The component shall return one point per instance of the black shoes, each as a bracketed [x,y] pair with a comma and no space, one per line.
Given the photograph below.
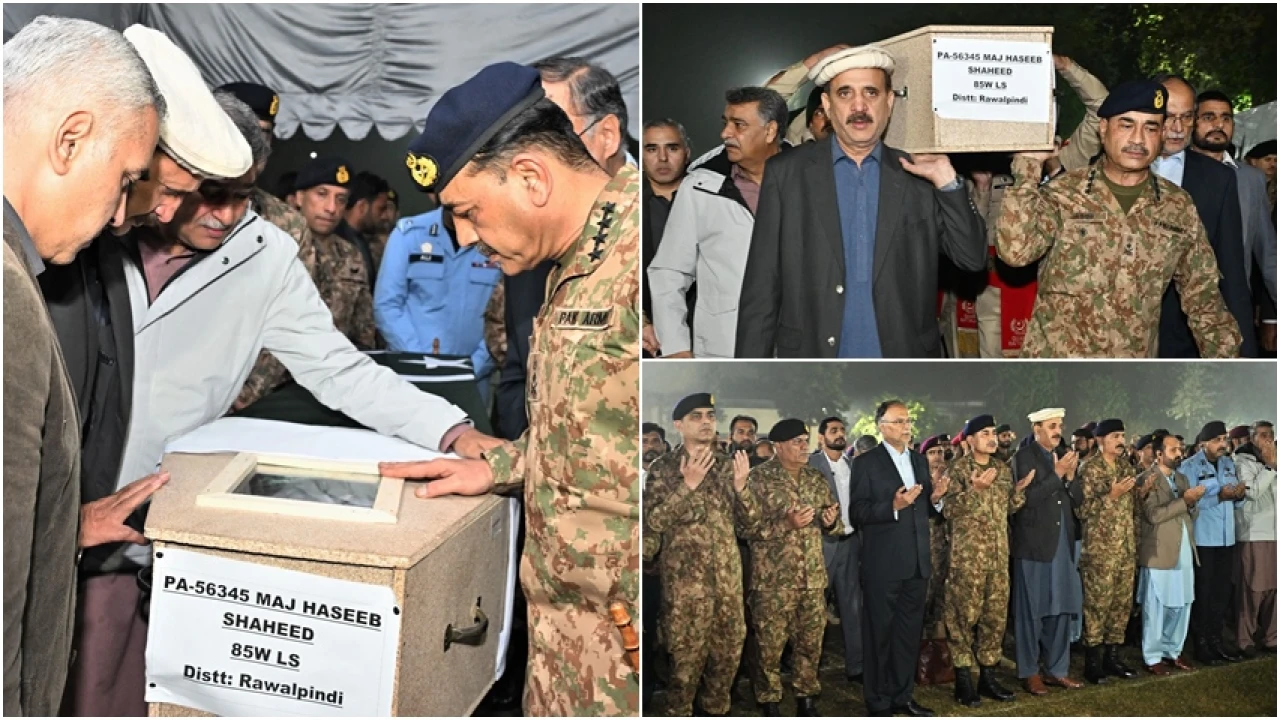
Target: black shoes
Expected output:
[965,694]
[988,686]
[912,709]
[1093,671]
[806,707]
[769,709]
[1205,655]
[854,679]
[1112,665]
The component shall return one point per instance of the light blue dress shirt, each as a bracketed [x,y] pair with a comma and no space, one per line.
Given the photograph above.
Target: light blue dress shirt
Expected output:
[1171,168]
[1216,523]
[902,461]
[429,290]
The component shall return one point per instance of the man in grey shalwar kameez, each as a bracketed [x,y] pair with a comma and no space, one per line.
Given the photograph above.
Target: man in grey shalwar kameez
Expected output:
[1047,593]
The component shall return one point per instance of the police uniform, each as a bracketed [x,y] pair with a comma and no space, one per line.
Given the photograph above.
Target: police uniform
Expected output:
[1105,271]
[579,459]
[341,274]
[431,294]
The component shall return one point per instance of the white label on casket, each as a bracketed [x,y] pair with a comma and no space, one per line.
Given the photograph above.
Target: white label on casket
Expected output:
[236,638]
[994,80]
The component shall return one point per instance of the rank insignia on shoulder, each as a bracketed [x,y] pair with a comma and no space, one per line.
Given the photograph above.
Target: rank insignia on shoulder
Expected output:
[435,230]
[582,319]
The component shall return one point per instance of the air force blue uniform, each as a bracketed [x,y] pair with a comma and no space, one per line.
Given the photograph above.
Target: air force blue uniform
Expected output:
[429,289]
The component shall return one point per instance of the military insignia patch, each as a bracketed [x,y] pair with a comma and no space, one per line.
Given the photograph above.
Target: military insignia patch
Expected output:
[342,175]
[583,319]
[423,169]
[275,106]
[1159,101]
[426,248]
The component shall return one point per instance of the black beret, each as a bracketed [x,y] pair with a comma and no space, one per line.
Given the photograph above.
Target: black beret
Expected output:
[392,196]
[1106,427]
[1081,433]
[1261,150]
[691,403]
[788,429]
[1211,430]
[323,171]
[978,424]
[263,100]
[1144,96]
[1002,429]
[1143,441]
[653,428]
[466,117]
[1239,432]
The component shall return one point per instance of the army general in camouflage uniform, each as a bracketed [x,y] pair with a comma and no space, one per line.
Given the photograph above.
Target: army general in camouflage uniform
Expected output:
[698,497]
[980,497]
[788,575]
[520,184]
[1113,236]
[1108,555]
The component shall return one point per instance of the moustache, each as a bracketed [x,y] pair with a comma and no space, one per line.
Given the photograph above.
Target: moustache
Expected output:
[732,144]
[1135,149]
[651,455]
[212,223]
[858,117]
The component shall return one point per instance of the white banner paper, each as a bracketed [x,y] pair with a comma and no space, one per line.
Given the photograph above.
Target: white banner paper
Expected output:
[240,639]
[992,80]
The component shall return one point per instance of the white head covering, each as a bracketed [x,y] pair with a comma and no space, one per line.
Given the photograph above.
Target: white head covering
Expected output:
[195,129]
[867,56]
[1047,414]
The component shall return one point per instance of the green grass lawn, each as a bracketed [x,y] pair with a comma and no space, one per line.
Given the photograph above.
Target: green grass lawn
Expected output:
[1243,689]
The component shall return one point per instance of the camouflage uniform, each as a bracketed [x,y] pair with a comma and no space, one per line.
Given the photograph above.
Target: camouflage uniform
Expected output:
[977,591]
[343,282]
[940,559]
[579,463]
[788,575]
[701,577]
[1108,553]
[1105,272]
[269,373]
[495,325]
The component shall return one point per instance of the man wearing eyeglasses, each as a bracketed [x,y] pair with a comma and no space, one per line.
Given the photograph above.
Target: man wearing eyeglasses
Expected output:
[1217,202]
[592,99]
[889,508]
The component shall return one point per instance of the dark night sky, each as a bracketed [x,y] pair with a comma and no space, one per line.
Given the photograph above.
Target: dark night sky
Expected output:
[1235,392]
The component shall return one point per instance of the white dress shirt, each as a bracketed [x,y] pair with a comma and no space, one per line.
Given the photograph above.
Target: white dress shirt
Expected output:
[840,470]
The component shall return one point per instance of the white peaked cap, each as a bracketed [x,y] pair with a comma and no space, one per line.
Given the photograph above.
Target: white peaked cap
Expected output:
[196,130]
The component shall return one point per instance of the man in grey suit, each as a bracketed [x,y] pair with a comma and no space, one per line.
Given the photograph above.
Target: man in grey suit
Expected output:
[840,552]
[844,251]
[73,145]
